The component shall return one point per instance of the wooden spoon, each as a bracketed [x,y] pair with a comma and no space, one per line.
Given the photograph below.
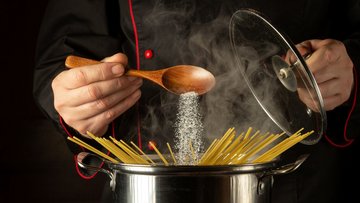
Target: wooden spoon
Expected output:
[176,79]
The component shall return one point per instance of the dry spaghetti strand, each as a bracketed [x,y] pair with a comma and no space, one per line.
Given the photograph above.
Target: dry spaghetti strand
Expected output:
[159,154]
[228,150]
[171,152]
[92,149]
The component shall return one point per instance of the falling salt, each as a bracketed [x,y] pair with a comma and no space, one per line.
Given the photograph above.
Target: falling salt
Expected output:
[188,130]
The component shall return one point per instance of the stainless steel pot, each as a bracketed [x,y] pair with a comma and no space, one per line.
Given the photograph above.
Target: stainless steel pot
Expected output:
[248,183]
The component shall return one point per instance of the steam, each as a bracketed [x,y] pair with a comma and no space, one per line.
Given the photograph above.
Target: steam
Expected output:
[206,42]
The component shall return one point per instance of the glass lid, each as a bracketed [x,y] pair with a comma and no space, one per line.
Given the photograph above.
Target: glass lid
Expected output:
[277,75]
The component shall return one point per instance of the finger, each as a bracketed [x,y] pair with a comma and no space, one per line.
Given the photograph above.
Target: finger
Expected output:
[118,109]
[304,48]
[317,63]
[316,44]
[329,88]
[330,93]
[332,102]
[98,132]
[324,74]
[309,99]
[99,90]
[82,76]
[100,105]
[118,58]
[95,123]
[334,93]
[326,53]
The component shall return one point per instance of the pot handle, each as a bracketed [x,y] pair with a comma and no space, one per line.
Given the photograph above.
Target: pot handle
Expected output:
[288,168]
[80,161]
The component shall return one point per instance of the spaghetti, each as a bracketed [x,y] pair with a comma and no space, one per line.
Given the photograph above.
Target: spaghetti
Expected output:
[230,149]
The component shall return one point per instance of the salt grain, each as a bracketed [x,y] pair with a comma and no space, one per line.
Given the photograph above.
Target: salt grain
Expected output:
[188,130]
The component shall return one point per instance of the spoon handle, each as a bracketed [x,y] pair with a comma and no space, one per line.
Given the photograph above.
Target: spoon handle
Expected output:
[77,61]
[154,76]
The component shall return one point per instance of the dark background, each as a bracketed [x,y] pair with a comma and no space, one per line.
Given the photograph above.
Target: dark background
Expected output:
[36,165]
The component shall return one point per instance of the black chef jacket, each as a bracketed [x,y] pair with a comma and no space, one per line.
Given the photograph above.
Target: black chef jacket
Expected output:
[186,31]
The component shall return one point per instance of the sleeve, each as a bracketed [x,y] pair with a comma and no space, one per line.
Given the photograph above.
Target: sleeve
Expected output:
[351,32]
[345,119]
[85,28]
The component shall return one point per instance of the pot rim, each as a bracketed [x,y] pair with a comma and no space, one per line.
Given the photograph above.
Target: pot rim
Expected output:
[192,169]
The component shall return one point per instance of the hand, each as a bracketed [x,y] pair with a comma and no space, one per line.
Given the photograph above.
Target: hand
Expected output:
[332,69]
[89,98]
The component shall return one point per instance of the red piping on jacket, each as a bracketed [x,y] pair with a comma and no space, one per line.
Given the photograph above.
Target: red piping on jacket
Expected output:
[137,67]
[75,156]
[64,127]
[348,141]
[137,106]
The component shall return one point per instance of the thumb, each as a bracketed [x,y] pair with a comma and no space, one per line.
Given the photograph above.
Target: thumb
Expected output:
[117,58]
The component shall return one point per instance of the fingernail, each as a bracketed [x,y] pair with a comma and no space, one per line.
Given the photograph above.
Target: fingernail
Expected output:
[117,70]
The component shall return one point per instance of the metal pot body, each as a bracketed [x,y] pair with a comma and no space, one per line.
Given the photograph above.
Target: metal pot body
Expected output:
[241,184]
[247,183]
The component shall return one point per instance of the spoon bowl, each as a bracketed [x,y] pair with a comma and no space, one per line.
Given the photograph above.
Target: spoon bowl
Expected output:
[176,79]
